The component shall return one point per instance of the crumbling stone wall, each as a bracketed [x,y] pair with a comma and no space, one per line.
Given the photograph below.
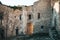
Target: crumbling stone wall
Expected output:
[11,18]
[44,8]
[55,14]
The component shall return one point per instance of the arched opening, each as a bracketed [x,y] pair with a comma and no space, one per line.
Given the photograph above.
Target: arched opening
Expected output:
[29,29]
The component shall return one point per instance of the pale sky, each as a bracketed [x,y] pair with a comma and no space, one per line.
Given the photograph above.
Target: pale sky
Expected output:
[18,2]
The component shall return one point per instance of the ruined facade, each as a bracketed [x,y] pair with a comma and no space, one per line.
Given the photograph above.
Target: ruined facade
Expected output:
[55,14]
[38,18]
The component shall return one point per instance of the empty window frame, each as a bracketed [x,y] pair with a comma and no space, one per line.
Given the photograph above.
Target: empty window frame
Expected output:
[42,27]
[29,16]
[1,15]
[20,17]
[38,15]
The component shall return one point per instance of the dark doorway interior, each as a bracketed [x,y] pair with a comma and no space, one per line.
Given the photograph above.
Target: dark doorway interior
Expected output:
[2,33]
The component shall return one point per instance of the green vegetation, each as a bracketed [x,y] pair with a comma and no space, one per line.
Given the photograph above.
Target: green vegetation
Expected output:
[16,7]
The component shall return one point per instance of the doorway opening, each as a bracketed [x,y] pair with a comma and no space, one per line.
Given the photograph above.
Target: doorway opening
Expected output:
[2,33]
[29,29]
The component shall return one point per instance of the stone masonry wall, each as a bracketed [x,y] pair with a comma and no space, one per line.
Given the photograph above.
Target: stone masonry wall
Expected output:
[44,8]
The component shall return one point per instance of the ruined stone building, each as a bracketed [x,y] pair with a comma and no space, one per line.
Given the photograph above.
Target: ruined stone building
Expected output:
[37,18]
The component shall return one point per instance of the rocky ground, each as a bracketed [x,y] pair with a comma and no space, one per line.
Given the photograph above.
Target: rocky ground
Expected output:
[31,37]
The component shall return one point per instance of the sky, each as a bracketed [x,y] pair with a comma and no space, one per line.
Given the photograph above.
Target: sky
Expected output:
[18,2]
